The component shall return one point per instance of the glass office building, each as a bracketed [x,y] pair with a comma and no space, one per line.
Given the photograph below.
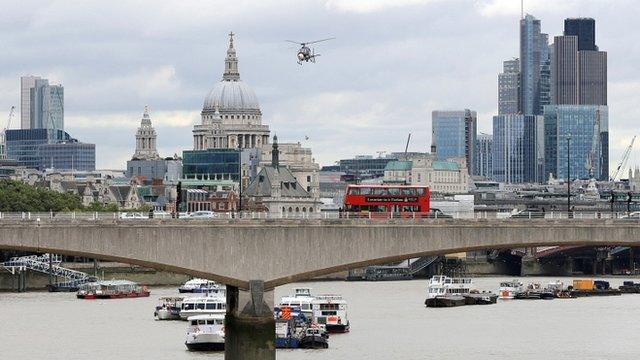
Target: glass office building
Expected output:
[514,148]
[46,105]
[211,164]
[484,156]
[364,166]
[68,155]
[587,128]
[453,133]
[22,145]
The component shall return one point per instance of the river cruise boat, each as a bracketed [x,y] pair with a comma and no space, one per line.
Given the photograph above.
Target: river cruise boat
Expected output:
[168,308]
[205,333]
[202,305]
[509,289]
[200,286]
[444,291]
[301,299]
[112,289]
[330,311]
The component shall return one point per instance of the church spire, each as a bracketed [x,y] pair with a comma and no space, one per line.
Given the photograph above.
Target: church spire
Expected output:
[231,62]
[275,153]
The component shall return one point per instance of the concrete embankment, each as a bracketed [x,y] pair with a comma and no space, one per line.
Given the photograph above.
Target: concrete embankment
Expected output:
[39,281]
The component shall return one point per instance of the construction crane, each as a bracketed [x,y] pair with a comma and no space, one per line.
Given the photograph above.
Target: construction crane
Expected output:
[406,148]
[623,161]
[3,147]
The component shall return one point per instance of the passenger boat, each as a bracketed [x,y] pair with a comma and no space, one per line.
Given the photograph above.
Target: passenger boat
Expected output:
[444,291]
[199,286]
[509,289]
[205,333]
[168,308]
[112,289]
[300,299]
[202,305]
[331,311]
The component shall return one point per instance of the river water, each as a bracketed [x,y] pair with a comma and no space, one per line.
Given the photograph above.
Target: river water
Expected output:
[388,321]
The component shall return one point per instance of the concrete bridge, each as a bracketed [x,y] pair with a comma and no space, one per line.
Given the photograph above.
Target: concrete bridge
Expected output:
[252,257]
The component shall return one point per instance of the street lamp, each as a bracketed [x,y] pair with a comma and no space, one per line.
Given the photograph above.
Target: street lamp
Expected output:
[568,177]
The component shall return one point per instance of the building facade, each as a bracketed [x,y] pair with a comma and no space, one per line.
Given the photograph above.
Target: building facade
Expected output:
[584,29]
[212,164]
[26,84]
[364,166]
[67,155]
[509,87]
[453,134]
[447,177]
[299,160]
[484,156]
[582,128]
[514,148]
[531,58]
[23,145]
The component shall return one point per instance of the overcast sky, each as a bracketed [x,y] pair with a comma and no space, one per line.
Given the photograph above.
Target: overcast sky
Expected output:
[393,62]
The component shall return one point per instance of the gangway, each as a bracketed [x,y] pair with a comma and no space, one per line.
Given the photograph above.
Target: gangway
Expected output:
[416,265]
[47,264]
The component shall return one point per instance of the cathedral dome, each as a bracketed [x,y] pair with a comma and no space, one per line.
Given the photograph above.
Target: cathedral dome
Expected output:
[231,95]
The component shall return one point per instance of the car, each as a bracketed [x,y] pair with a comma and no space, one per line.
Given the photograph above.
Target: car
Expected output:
[203,214]
[529,213]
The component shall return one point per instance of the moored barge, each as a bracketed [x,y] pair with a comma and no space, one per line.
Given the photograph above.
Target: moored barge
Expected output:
[112,289]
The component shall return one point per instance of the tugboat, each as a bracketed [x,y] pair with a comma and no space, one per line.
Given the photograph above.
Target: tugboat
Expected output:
[629,287]
[112,289]
[444,291]
[331,311]
[509,289]
[314,338]
[168,308]
[205,333]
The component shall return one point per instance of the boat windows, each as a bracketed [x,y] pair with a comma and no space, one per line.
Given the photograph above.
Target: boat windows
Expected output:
[200,306]
[394,191]
[211,306]
[329,313]
[328,306]
[194,322]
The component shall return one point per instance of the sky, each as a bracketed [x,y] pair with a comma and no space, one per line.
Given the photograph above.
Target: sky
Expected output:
[392,63]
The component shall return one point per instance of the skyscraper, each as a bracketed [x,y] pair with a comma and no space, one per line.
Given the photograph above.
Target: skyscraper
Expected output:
[453,133]
[42,104]
[508,87]
[26,84]
[514,148]
[530,61]
[564,70]
[584,29]
[586,127]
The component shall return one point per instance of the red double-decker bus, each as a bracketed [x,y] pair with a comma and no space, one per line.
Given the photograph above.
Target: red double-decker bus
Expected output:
[387,198]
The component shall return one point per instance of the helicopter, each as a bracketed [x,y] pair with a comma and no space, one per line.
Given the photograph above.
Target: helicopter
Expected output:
[305,54]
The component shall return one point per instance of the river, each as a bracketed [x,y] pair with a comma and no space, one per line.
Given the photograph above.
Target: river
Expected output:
[388,321]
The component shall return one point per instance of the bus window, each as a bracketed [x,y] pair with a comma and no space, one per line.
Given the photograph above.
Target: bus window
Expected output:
[408,191]
[407,208]
[394,191]
[420,191]
[379,191]
[365,191]
[354,191]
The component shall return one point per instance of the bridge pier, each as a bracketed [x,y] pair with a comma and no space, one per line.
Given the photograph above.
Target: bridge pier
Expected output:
[249,323]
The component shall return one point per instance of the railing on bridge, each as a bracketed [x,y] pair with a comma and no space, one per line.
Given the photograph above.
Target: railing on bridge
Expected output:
[128,216]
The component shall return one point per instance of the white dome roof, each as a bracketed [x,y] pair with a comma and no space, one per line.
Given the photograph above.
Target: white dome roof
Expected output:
[230,96]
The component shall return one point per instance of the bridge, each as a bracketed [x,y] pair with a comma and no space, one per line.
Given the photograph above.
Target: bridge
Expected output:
[254,256]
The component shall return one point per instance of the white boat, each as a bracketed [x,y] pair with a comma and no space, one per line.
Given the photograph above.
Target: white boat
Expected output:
[300,299]
[203,305]
[200,286]
[205,333]
[330,311]
[443,291]
[509,289]
[168,308]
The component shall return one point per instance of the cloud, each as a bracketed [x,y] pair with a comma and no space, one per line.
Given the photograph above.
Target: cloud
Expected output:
[491,8]
[369,6]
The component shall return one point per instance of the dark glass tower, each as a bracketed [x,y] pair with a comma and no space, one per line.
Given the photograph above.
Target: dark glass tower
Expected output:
[584,29]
